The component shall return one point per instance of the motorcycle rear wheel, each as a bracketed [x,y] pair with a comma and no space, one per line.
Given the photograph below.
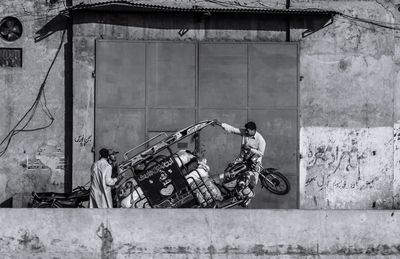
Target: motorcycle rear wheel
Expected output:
[274,181]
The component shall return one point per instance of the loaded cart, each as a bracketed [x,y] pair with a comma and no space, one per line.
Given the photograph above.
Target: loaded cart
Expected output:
[158,177]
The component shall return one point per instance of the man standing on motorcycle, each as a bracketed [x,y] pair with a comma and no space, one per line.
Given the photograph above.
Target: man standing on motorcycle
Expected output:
[101,182]
[253,145]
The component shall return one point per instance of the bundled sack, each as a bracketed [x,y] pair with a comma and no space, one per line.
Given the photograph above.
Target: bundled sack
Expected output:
[205,190]
[132,195]
[200,173]
[196,175]
[135,200]
[183,157]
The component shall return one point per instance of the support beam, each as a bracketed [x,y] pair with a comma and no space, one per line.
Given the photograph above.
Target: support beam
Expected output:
[288,22]
[68,99]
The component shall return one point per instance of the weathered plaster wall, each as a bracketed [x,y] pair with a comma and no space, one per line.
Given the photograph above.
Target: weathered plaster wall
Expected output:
[396,116]
[347,168]
[190,234]
[347,106]
[347,92]
[348,98]
[34,161]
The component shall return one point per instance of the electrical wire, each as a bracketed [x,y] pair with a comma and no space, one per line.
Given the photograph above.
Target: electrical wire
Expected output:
[237,4]
[391,26]
[382,24]
[30,14]
[361,25]
[233,4]
[37,17]
[31,111]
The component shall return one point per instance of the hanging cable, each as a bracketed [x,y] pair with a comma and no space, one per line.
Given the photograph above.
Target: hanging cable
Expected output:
[382,24]
[237,4]
[31,111]
[391,26]
[27,16]
[33,14]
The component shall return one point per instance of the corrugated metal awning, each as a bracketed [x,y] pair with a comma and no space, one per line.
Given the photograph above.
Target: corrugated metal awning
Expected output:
[130,6]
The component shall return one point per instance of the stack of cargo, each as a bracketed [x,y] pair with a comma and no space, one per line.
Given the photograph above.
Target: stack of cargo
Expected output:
[204,189]
[133,196]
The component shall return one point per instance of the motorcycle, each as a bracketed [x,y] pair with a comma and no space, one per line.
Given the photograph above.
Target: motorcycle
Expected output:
[160,178]
[76,199]
[235,181]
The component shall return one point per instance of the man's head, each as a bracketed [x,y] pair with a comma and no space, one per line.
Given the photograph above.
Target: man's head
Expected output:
[112,156]
[104,153]
[250,128]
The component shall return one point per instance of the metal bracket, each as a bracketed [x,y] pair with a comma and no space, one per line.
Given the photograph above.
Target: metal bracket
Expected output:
[309,32]
[182,32]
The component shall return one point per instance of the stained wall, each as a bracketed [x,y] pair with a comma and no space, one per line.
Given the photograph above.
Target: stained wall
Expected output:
[348,92]
[347,86]
[115,233]
[34,160]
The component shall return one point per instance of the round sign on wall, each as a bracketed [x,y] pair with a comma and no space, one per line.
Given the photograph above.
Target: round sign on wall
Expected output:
[10,29]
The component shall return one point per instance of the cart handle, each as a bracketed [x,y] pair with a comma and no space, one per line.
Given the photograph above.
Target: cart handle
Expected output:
[144,143]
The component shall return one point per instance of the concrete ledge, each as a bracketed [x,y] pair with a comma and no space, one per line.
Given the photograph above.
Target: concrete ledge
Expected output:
[124,233]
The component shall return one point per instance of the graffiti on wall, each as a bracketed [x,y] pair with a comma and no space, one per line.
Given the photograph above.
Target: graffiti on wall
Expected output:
[337,161]
[396,159]
[46,157]
[62,163]
[347,159]
[83,140]
[33,164]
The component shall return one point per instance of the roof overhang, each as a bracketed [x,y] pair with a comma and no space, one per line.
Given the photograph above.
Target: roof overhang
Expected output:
[129,13]
[128,6]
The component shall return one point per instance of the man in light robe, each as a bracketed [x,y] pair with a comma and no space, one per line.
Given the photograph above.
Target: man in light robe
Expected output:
[101,182]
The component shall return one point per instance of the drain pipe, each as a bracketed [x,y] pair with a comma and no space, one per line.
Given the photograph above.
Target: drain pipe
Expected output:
[288,22]
[68,109]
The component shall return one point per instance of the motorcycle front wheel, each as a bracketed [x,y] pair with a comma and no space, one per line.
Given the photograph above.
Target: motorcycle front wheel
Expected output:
[274,181]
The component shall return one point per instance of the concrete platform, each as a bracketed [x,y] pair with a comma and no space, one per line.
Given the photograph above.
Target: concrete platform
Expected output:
[188,233]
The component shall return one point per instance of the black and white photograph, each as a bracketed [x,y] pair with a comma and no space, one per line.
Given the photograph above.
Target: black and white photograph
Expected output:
[199,129]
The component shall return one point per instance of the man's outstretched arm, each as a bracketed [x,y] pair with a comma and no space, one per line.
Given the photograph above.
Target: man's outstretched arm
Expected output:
[228,128]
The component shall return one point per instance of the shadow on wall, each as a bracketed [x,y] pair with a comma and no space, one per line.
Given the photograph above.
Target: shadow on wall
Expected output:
[184,21]
[58,23]
[19,200]
[7,203]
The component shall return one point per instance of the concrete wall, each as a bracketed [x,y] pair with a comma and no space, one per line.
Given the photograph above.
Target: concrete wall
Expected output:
[34,161]
[347,92]
[347,109]
[348,99]
[198,234]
